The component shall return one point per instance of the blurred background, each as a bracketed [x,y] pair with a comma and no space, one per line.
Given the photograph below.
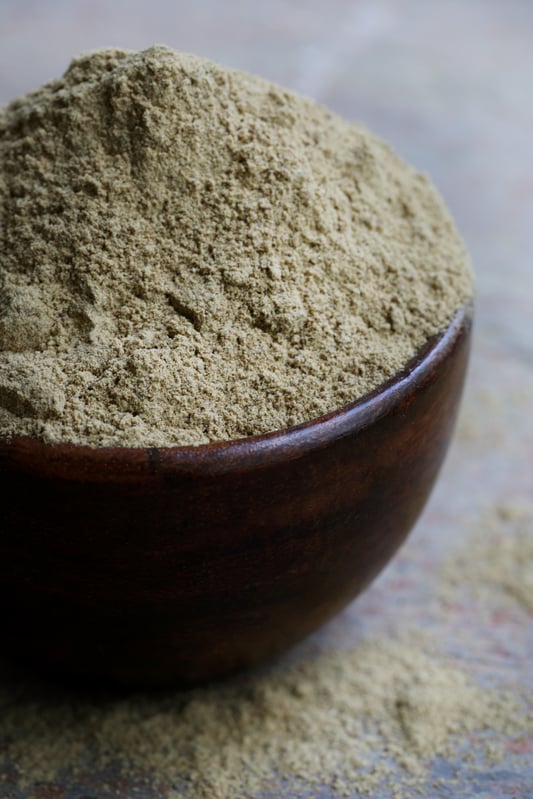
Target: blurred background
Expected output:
[449,84]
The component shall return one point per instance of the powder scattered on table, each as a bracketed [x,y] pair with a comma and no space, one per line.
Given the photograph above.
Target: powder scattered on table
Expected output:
[190,253]
[496,563]
[346,719]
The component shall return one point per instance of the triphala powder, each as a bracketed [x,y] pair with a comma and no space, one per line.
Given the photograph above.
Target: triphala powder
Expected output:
[189,253]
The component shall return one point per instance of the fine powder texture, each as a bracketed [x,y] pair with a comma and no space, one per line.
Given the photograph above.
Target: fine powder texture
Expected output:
[320,723]
[369,719]
[363,717]
[190,253]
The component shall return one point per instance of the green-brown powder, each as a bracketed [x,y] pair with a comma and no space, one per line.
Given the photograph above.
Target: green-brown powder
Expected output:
[359,718]
[190,253]
[496,566]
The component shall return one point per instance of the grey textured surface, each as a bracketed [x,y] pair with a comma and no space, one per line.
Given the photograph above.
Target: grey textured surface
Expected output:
[449,84]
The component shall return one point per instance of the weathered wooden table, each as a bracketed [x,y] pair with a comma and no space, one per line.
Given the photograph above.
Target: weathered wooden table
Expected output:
[449,84]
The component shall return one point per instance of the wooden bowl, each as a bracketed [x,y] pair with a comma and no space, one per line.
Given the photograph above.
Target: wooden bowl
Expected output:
[179,565]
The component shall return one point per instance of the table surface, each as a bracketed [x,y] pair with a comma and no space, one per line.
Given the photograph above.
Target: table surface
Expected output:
[449,84]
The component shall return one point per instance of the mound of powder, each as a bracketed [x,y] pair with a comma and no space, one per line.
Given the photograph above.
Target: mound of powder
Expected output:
[190,253]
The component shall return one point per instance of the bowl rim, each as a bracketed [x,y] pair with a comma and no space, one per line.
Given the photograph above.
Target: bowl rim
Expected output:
[69,460]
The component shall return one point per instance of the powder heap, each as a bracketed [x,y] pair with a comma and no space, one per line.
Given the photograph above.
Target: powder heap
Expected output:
[190,253]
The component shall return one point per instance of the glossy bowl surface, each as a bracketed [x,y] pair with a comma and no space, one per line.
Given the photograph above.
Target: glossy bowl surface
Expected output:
[179,565]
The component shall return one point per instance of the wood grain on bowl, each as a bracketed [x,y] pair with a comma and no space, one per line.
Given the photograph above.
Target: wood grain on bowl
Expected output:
[152,566]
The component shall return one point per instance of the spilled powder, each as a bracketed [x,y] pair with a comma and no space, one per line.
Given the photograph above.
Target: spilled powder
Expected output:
[495,566]
[346,719]
[376,716]
[189,253]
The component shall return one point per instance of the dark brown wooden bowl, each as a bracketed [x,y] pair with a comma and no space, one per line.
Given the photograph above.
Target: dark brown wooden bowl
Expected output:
[152,566]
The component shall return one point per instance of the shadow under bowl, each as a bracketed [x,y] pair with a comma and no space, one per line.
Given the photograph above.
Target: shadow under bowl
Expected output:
[157,566]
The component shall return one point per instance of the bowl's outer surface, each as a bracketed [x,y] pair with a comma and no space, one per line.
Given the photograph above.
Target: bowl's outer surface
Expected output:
[181,565]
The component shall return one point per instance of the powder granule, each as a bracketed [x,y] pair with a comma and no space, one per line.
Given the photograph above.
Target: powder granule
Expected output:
[190,253]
